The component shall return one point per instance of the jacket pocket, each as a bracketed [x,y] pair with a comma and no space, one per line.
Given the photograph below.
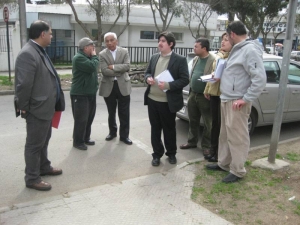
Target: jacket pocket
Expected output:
[37,101]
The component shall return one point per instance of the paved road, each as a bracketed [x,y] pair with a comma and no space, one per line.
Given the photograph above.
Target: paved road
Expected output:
[104,163]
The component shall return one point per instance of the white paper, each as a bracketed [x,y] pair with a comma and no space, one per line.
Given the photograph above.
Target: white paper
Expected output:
[164,76]
[219,68]
[207,78]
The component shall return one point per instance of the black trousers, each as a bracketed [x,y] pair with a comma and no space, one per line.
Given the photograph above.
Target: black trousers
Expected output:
[36,148]
[123,102]
[83,109]
[161,119]
[215,105]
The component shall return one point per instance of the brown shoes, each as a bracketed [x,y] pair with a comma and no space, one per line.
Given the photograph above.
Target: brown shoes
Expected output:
[42,186]
[53,172]
[187,146]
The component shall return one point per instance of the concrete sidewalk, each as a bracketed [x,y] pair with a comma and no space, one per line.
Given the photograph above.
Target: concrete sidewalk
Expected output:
[160,198]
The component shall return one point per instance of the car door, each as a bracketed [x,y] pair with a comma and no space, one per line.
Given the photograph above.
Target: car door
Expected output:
[294,92]
[269,96]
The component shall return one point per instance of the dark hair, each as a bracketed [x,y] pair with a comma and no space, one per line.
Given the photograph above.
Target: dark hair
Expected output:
[236,27]
[36,28]
[204,43]
[224,34]
[169,37]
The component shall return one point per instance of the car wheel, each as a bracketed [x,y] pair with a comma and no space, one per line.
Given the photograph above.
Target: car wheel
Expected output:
[252,121]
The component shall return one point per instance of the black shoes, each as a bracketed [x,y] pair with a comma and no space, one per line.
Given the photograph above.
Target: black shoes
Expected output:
[155,162]
[231,178]
[214,167]
[126,141]
[89,142]
[110,137]
[213,159]
[172,159]
[80,147]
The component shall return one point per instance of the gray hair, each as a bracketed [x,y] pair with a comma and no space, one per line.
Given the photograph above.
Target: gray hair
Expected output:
[110,34]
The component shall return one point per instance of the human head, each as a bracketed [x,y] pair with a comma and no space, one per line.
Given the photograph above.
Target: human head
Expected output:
[41,33]
[226,46]
[236,32]
[86,45]
[170,38]
[111,40]
[201,47]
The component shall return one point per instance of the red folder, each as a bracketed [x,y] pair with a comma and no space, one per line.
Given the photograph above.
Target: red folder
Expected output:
[56,119]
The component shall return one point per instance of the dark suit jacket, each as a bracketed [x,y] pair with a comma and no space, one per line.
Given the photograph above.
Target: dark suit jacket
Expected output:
[35,83]
[179,70]
[120,71]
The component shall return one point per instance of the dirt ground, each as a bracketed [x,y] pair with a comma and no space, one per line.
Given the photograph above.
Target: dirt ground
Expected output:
[262,197]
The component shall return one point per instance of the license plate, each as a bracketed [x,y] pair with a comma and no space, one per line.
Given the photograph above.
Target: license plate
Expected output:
[182,110]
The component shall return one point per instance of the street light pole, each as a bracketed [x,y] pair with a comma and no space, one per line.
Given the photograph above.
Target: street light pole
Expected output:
[283,79]
[23,24]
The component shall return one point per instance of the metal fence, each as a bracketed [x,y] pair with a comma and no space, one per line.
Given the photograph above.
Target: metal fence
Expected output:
[64,54]
[3,43]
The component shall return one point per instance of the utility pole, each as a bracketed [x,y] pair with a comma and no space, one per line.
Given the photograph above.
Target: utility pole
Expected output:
[289,33]
[22,20]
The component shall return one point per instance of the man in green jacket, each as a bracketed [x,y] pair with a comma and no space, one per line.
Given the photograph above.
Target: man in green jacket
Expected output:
[83,92]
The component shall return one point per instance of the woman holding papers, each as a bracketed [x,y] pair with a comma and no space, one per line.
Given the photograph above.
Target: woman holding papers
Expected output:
[212,92]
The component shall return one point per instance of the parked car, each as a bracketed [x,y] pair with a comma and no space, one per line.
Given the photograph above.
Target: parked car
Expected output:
[295,55]
[263,108]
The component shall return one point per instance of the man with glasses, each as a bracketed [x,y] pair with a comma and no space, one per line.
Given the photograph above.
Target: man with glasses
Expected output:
[38,95]
[83,92]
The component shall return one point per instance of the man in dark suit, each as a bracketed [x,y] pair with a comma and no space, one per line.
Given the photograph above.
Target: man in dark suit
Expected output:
[115,86]
[164,99]
[37,95]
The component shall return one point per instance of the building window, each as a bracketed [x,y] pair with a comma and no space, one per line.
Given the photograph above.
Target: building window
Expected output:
[94,33]
[178,36]
[150,35]
[153,35]
[68,33]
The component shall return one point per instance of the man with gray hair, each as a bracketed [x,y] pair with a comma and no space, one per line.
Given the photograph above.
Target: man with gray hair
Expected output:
[115,86]
[83,92]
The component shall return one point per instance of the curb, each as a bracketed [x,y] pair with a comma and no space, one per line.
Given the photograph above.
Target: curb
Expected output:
[12,92]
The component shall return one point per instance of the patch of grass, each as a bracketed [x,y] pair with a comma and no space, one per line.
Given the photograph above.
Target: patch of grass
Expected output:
[293,156]
[278,156]
[282,207]
[297,204]
[286,188]
[65,76]
[4,81]
[248,163]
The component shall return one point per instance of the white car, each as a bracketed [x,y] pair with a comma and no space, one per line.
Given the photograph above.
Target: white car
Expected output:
[263,108]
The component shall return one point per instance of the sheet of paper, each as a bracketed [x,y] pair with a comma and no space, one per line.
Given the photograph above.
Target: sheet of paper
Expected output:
[220,67]
[164,76]
[207,78]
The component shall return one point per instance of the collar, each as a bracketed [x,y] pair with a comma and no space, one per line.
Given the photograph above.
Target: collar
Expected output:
[170,53]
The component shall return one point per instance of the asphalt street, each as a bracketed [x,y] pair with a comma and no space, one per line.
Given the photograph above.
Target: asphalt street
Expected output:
[104,163]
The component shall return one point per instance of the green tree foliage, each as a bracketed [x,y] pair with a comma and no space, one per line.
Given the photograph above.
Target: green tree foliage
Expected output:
[251,12]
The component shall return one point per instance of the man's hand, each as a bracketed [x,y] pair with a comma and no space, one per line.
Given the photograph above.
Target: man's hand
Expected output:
[161,85]
[150,81]
[111,67]
[93,52]
[238,104]
[207,96]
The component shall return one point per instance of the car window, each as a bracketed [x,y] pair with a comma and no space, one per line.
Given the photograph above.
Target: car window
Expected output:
[294,74]
[272,71]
